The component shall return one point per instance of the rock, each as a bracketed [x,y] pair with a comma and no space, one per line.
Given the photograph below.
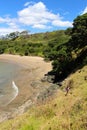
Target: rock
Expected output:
[50,78]
[59,83]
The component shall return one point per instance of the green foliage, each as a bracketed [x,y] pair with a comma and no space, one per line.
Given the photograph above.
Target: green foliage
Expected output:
[51,50]
[68,31]
[85,61]
[33,44]
[21,48]
[79,32]
[57,51]
[60,50]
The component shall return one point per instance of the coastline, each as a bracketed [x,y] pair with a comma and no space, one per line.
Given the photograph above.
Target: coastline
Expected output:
[28,81]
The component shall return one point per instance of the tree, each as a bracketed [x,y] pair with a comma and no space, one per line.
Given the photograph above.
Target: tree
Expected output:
[79,32]
[61,53]
[13,35]
[24,33]
[68,31]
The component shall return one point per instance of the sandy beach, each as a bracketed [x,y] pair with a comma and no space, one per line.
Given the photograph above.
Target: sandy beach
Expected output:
[28,80]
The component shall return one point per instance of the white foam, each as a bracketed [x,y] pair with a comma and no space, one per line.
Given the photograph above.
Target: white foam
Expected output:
[13,94]
[15,89]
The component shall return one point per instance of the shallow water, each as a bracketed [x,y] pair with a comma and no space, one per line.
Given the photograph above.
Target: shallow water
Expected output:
[8,72]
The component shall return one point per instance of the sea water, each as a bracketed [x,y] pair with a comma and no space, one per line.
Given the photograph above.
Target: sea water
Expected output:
[8,72]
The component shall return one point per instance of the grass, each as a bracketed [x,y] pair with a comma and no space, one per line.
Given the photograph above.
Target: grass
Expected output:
[60,113]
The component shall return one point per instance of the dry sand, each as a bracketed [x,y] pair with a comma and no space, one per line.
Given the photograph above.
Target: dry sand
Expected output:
[32,71]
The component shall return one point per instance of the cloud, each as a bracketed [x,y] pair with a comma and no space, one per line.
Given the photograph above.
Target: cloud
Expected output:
[11,22]
[7,30]
[62,23]
[38,16]
[41,26]
[2,20]
[10,25]
[34,16]
[84,11]
[28,3]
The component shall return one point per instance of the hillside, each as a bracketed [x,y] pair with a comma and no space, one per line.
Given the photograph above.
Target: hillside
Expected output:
[32,44]
[60,112]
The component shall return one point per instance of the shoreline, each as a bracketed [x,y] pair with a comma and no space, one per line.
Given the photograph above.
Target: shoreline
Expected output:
[15,92]
[28,81]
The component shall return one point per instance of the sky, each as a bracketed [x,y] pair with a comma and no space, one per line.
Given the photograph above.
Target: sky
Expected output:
[39,15]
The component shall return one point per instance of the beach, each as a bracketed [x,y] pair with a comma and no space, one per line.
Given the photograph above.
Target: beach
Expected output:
[28,80]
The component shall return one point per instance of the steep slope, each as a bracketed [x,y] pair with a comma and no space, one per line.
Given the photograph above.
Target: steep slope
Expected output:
[61,112]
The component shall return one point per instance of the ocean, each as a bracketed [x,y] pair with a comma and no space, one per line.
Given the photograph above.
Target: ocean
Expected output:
[8,72]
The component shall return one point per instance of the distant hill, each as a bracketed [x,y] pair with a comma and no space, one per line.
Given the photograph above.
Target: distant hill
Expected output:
[32,44]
